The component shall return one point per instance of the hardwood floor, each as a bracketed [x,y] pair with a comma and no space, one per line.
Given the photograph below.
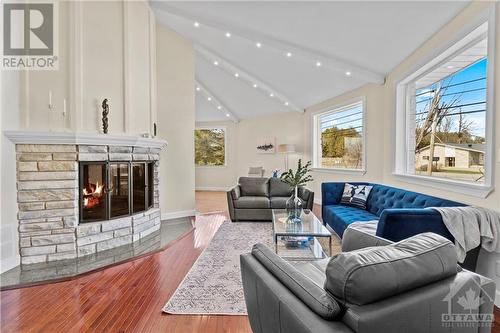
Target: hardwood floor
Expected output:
[128,297]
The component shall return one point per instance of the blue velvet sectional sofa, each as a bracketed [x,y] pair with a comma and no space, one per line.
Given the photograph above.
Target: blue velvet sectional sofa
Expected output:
[400,213]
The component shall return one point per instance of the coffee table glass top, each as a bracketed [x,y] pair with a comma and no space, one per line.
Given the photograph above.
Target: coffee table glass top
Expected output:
[310,225]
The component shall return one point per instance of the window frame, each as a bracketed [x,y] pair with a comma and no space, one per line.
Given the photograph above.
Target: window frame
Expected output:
[451,48]
[223,128]
[316,135]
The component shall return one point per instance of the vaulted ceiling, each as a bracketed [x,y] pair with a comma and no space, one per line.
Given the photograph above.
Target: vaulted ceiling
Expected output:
[258,58]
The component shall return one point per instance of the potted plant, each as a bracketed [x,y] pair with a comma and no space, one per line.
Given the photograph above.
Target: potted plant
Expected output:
[296,179]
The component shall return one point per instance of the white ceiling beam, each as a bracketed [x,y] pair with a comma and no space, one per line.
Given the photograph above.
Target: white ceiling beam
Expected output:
[251,79]
[214,101]
[329,61]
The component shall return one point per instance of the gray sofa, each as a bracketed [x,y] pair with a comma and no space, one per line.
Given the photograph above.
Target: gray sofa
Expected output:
[409,286]
[254,198]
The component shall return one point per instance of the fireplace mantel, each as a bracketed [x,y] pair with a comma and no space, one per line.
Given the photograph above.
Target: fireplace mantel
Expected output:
[58,138]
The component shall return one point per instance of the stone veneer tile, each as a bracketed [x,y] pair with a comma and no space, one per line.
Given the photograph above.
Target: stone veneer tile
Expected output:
[57,166]
[21,148]
[34,214]
[88,229]
[114,242]
[63,231]
[122,232]
[140,157]
[120,149]
[92,157]
[141,150]
[61,204]
[64,156]
[46,195]
[84,250]
[34,233]
[117,224]
[34,157]
[25,241]
[47,175]
[52,239]
[70,221]
[62,256]
[94,238]
[120,157]
[31,206]
[38,250]
[92,149]
[27,166]
[44,184]
[66,247]
[40,226]
[33,259]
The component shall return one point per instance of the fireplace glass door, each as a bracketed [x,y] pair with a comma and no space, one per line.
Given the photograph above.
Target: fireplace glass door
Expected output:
[93,191]
[139,187]
[119,191]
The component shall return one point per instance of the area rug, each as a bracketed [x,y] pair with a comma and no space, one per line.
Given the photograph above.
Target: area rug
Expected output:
[213,285]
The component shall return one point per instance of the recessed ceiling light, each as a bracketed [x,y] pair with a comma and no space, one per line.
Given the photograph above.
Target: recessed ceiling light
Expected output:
[227,114]
[219,107]
[288,54]
[255,85]
[348,73]
[318,64]
[196,24]
[209,99]
[271,95]
[258,44]
[286,103]
[450,67]
[216,63]
[197,88]
[236,75]
[228,34]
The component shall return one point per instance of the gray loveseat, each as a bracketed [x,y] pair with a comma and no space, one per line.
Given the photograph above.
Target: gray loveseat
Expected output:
[254,198]
[411,286]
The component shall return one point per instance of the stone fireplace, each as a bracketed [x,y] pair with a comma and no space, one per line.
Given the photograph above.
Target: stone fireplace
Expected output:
[82,194]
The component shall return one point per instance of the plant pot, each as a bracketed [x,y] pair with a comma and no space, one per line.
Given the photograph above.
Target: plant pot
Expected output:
[294,206]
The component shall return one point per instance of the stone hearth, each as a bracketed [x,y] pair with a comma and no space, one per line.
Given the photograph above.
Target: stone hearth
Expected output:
[48,199]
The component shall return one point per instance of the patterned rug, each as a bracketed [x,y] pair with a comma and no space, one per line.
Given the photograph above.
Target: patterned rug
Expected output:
[213,285]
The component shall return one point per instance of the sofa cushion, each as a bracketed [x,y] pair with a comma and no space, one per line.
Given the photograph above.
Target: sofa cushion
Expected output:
[303,287]
[278,188]
[367,275]
[252,186]
[339,216]
[355,195]
[252,202]
[279,202]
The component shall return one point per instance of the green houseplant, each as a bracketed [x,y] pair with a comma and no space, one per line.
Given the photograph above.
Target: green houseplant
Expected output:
[296,179]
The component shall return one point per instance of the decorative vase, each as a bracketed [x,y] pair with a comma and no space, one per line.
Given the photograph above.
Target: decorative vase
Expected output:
[294,206]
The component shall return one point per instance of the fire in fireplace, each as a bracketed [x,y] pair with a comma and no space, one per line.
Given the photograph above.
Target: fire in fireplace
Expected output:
[110,190]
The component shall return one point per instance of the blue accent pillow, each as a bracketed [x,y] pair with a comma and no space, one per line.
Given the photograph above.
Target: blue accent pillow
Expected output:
[355,195]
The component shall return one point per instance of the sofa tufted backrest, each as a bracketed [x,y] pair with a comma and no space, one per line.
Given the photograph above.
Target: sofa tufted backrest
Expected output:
[384,197]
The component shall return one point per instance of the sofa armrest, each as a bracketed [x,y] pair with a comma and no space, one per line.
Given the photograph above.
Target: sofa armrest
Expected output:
[232,195]
[359,235]
[307,196]
[331,193]
[400,223]
[235,192]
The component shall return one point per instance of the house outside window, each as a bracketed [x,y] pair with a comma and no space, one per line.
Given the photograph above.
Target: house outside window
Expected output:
[210,147]
[444,113]
[338,137]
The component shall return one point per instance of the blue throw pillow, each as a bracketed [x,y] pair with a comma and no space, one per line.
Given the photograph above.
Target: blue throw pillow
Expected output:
[355,195]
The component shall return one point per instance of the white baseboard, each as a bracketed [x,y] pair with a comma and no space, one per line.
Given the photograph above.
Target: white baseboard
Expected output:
[177,215]
[213,188]
[9,263]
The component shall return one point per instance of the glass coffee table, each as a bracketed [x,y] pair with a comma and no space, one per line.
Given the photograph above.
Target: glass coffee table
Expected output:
[299,241]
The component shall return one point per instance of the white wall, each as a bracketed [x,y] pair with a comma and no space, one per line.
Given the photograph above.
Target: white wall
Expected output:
[176,112]
[242,140]
[9,119]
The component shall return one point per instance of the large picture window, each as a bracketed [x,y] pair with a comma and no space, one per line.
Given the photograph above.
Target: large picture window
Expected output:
[210,146]
[339,138]
[446,106]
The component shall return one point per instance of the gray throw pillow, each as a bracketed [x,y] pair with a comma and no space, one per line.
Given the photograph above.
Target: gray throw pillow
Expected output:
[254,186]
[355,195]
[278,188]
[374,273]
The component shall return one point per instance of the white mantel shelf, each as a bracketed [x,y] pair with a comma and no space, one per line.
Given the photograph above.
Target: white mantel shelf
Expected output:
[71,138]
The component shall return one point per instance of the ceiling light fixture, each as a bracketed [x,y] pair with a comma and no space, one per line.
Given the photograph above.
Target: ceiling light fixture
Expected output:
[216,63]
[271,95]
[236,75]
[450,67]
[258,44]
[196,24]
[286,103]
[255,85]
[209,99]
[219,107]
[348,73]
[227,114]
[318,64]
[197,88]
[228,34]
[288,54]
